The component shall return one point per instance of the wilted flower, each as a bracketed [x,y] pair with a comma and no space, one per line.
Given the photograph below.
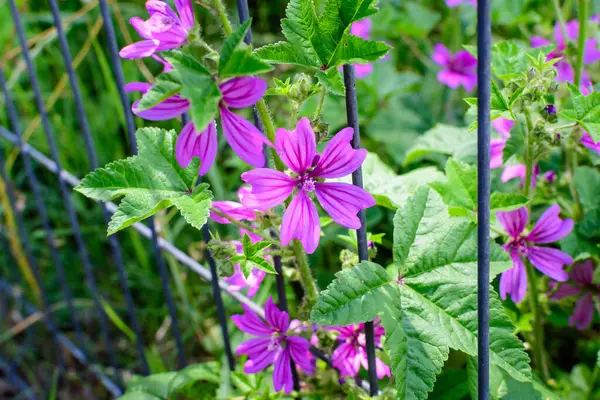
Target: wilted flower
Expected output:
[243,137]
[458,69]
[164,30]
[273,345]
[582,285]
[549,261]
[298,151]
[352,350]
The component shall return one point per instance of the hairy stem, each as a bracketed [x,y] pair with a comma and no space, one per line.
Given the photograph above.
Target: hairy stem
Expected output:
[308,283]
[265,116]
[319,109]
[222,13]
[583,17]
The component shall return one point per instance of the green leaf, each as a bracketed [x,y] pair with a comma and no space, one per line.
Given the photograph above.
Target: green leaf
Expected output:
[444,139]
[515,96]
[451,385]
[510,61]
[507,201]
[587,182]
[461,188]
[585,111]
[332,80]
[149,182]
[416,20]
[514,146]
[499,103]
[389,189]
[324,41]
[167,84]
[237,58]
[262,264]
[198,87]
[167,384]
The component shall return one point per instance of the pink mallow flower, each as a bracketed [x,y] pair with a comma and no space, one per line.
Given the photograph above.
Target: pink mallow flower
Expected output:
[503,126]
[243,137]
[588,142]
[362,29]
[238,281]
[237,211]
[458,69]
[274,344]
[308,171]
[164,30]
[582,277]
[549,261]
[352,350]
[456,3]
[565,70]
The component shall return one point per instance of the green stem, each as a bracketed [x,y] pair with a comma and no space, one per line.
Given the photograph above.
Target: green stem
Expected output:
[583,17]
[560,18]
[308,283]
[265,117]
[319,109]
[222,13]
[538,343]
[528,154]
[571,164]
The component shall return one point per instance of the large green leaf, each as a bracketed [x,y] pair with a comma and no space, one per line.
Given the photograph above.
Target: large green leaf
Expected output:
[167,84]
[587,182]
[444,139]
[585,111]
[324,41]
[149,182]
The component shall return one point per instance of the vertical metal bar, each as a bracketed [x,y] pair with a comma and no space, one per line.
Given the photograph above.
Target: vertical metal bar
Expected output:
[87,266]
[130,126]
[361,234]
[32,261]
[244,15]
[484,43]
[91,153]
[42,211]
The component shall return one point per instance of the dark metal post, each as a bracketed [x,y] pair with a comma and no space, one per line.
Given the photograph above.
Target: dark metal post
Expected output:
[361,234]
[91,153]
[130,126]
[73,219]
[484,43]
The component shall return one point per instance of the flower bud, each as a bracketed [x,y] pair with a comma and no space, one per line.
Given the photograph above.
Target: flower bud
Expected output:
[301,89]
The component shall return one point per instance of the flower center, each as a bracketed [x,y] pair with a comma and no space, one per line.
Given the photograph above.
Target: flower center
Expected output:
[275,342]
[520,245]
[307,183]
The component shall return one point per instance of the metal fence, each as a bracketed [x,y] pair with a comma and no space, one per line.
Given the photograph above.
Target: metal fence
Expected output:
[67,350]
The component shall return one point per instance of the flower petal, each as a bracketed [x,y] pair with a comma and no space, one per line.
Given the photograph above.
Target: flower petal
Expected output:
[269,188]
[186,13]
[339,158]
[300,354]
[503,126]
[583,313]
[251,323]
[514,222]
[160,7]
[244,138]
[191,144]
[171,108]
[282,373]
[496,149]
[538,41]
[301,221]
[297,148]
[583,273]
[137,87]
[260,361]
[550,228]
[514,281]
[140,26]
[441,55]
[588,142]
[343,201]
[550,262]
[361,28]
[591,53]
[243,92]
[141,49]
[234,210]
[278,319]
[565,290]
[345,359]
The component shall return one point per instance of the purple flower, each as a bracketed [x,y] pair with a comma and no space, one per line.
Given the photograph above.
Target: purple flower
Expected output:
[458,69]
[582,276]
[549,228]
[298,151]
[456,3]
[233,209]
[550,176]
[273,345]
[243,137]
[588,142]
[238,281]
[164,30]
[565,70]
[352,350]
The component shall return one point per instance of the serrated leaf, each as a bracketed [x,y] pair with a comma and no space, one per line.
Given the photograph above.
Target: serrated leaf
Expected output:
[509,60]
[195,208]
[149,182]
[182,61]
[452,384]
[437,257]
[232,42]
[237,58]
[444,139]
[585,111]
[514,145]
[515,96]
[507,201]
[499,103]
[167,84]
[324,41]
[461,188]
[332,80]
[262,264]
